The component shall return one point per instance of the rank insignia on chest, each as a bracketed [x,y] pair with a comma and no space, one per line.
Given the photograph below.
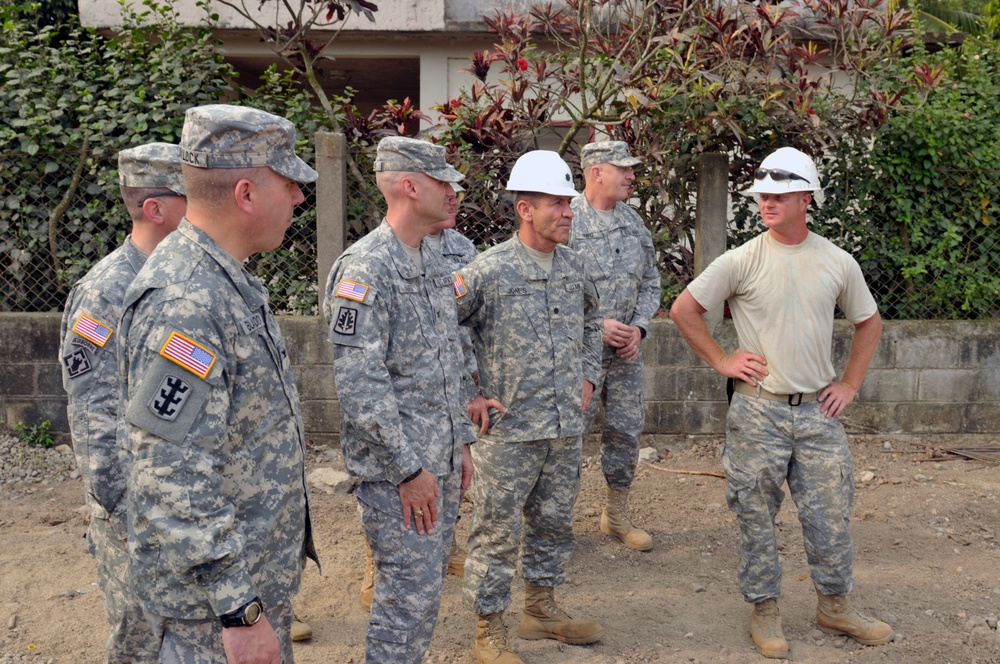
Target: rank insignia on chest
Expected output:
[93,330]
[352,290]
[169,398]
[188,354]
[460,288]
[77,363]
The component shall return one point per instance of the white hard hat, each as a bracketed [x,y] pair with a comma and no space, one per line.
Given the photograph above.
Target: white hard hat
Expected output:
[542,172]
[785,170]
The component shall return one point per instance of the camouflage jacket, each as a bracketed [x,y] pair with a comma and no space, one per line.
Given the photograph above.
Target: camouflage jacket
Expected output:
[217,502]
[622,261]
[458,251]
[397,361]
[90,378]
[537,337]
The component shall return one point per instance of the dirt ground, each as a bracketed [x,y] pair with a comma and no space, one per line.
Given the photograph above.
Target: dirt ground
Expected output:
[925,536]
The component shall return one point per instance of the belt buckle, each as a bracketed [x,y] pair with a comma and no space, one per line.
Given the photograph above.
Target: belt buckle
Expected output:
[795,403]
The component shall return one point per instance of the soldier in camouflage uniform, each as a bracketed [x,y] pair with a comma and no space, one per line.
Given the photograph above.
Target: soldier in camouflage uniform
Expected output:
[782,288]
[536,329]
[457,250]
[403,395]
[153,192]
[218,509]
[618,250]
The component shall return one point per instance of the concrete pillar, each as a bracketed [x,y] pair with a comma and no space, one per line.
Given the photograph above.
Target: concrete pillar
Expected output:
[711,217]
[434,76]
[331,204]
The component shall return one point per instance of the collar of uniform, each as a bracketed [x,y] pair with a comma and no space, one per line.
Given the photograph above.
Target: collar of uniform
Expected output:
[529,268]
[404,266]
[134,255]
[249,287]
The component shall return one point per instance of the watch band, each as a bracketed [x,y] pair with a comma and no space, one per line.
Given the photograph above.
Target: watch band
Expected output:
[245,616]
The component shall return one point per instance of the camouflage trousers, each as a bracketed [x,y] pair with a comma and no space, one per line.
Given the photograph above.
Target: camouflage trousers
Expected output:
[620,394]
[409,570]
[132,640]
[523,496]
[200,641]
[767,443]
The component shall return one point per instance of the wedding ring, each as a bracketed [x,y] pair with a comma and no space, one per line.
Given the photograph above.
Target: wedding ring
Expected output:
[419,514]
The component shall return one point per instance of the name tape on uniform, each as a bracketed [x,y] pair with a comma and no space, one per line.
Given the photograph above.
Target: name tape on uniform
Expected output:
[189,354]
[352,290]
[93,330]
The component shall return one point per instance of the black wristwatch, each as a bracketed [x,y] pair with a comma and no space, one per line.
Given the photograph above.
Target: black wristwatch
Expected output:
[245,616]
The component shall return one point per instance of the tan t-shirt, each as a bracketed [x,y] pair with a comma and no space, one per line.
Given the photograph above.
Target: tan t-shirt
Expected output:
[782,301]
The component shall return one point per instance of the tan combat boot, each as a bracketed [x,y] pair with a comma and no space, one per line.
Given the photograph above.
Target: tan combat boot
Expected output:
[367,593]
[765,629]
[491,641]
[835,615]
[300,630]
[615,521]
[543,619]
[456,560]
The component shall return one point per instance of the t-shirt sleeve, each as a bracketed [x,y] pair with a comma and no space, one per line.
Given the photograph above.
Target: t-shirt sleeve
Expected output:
[856,300]
[716,283]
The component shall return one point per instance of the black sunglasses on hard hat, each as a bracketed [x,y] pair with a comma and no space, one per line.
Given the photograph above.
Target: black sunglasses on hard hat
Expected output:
[777,175]
[159,195]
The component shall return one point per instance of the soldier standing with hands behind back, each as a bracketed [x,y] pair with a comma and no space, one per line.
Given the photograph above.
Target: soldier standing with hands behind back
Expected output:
[782,288]
[217,502]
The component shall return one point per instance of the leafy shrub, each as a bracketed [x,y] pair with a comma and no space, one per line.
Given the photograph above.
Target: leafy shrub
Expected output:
[35,435]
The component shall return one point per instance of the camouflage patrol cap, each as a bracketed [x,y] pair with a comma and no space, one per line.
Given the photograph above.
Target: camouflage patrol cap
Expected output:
[228,136]
[153,165]
[399,153]
[607,152]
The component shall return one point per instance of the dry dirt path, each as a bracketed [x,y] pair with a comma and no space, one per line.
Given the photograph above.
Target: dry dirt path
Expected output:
[926,560]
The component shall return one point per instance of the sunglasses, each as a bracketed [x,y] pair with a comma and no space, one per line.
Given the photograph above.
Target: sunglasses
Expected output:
[777,175]
[159,195]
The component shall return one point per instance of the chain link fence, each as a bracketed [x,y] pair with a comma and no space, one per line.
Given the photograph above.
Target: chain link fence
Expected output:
[65,214]
[60,217]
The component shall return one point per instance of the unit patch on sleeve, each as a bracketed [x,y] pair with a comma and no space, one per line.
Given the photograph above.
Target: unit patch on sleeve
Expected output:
[92,330]
[169,398]
[77,363]
[347,321]
[352,290]
[460,288]
[189,354]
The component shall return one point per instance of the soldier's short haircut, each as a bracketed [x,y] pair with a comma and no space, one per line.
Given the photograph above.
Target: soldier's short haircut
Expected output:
[132,195]
[213,186]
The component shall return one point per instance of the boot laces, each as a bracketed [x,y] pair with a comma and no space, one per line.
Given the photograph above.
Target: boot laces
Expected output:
[496,633]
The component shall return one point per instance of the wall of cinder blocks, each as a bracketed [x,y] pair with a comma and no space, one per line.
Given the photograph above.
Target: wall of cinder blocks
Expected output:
[928,377]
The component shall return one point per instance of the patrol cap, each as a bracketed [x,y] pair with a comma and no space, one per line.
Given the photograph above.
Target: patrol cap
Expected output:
[228,136]
[457,187]
[153,166]
[400,153]
[607,152]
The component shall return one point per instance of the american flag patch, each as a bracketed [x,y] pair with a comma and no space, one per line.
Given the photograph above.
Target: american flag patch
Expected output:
[460,288]
[188,354]
[92,330]
[352,290]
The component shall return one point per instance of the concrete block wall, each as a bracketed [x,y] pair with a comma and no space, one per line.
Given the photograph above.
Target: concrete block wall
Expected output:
[927,378]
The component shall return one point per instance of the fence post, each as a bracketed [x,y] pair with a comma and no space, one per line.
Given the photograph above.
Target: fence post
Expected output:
[711,217]
[331,204]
